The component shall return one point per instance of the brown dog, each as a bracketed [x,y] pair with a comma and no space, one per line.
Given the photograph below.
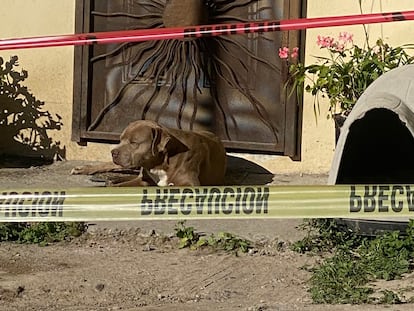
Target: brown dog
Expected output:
[166,157]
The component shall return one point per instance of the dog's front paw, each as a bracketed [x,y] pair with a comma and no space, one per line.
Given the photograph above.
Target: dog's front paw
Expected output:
[82,170]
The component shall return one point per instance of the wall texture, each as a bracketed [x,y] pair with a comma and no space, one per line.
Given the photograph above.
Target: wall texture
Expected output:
[51,71]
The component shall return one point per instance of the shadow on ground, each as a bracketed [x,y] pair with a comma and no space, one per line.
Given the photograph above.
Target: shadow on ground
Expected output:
[244,172]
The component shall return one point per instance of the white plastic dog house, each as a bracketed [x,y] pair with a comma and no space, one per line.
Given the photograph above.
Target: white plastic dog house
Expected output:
[376,144]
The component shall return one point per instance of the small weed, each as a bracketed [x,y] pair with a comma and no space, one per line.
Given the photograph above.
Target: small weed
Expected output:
[40,233]
[187,235]
[389,297]
[323,235]
[340,279]
[355,261]
[229,242]
[386,257]
[223,241]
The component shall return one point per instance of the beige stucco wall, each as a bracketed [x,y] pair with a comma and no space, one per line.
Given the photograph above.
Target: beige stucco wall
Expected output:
[51,70]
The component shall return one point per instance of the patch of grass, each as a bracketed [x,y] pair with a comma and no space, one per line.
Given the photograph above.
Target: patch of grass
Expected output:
[340,279]
[389,297]
[222,241]
[355,261]
[322,235]
[41,233]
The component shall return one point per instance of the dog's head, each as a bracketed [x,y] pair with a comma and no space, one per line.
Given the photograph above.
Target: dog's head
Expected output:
[145,144]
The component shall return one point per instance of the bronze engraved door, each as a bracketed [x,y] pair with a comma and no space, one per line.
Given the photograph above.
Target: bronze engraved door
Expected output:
[232,85]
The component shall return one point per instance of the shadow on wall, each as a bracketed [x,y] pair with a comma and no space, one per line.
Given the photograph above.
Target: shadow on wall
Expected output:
[24,125]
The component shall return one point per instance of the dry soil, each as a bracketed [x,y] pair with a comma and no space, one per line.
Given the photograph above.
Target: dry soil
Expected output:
[138,265]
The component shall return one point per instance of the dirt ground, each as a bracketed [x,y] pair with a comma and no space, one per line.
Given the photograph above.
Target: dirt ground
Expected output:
[138,266]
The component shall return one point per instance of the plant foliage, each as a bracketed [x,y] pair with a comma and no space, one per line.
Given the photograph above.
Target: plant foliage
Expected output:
[222,241]
[355,261]
[345,73]
[41,233]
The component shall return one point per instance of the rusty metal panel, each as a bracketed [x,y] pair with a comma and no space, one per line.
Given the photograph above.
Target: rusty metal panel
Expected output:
[231,85]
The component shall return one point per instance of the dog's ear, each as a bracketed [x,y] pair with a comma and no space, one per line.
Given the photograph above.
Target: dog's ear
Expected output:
[168,143]
[156,138]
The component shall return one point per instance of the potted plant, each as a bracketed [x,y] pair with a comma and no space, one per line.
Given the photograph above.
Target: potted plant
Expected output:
[345,73]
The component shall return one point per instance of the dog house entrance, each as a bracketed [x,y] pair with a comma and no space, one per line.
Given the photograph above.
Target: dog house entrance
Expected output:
[379,149]
[231,85]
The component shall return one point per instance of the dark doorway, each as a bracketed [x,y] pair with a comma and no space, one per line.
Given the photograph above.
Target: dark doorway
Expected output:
[379,149]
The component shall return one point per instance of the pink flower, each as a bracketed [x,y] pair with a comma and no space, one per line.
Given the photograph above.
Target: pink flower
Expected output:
[376,49]
[325,42]
[284,53]
[295,53]
[346,37]
[320,41]
[339,47]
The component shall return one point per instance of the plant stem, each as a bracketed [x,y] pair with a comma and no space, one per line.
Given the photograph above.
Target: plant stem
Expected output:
[363,25]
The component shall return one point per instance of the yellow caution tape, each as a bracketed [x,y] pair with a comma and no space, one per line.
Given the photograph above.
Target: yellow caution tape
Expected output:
[99,204]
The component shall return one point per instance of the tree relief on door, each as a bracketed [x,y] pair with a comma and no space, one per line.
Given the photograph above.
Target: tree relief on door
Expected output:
[178,82]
